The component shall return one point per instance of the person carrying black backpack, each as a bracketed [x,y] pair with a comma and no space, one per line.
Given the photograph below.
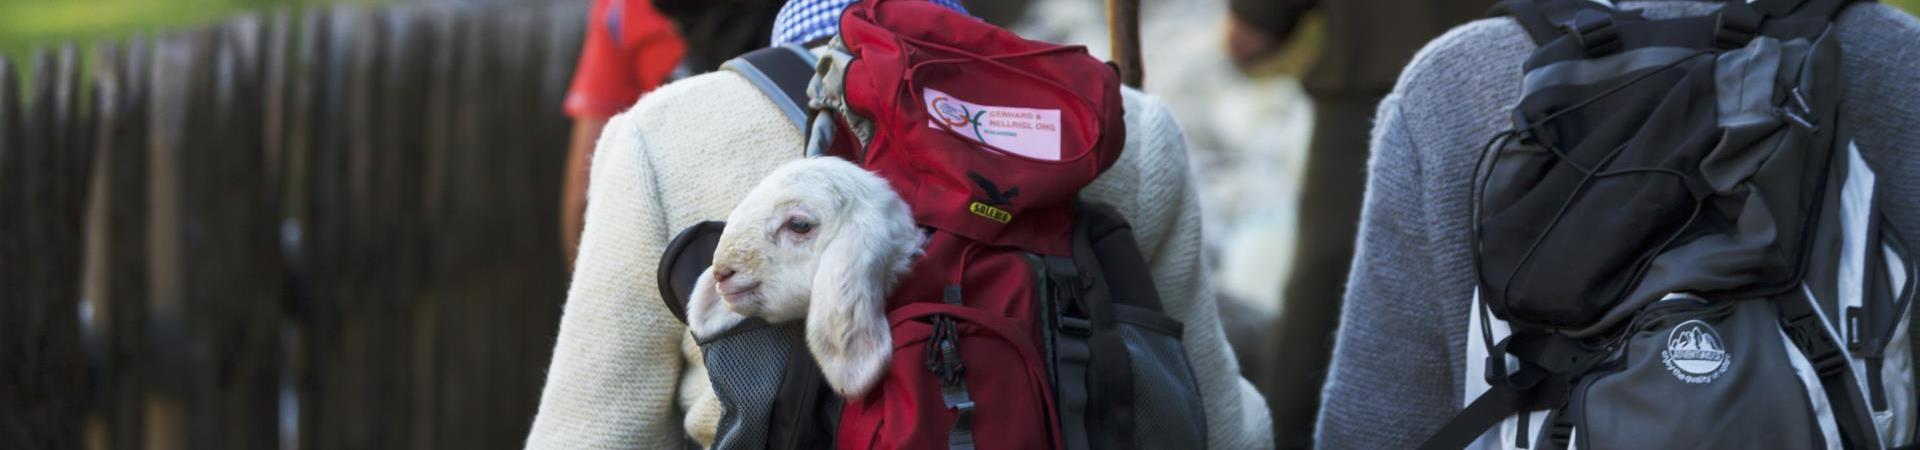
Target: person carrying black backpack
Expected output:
[1670,224]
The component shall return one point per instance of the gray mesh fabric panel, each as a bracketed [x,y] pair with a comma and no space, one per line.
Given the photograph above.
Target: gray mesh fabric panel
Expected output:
[1168,412]
[745,369]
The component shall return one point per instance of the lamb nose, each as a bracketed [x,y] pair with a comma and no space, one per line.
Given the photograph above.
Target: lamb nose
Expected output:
[722,273]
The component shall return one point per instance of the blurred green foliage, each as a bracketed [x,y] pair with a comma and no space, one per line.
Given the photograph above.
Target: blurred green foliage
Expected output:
[1912,6]
[26,24]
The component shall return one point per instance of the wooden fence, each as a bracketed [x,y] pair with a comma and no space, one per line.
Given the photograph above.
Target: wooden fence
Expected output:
[331,228]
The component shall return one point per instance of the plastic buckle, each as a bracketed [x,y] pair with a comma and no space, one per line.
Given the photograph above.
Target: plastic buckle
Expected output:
[1853,328]
[951,295]
[1560,432]
[1823,353]
[1595,34]
[1735,25]
[1496,363]
[1077,326]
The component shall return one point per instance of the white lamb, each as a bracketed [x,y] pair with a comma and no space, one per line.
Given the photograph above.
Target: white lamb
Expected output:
[820,239]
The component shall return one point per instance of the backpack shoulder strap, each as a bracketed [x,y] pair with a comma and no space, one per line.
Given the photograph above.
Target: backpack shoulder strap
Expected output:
[689,254]
[782,73]
[1546,20]
[1527,13]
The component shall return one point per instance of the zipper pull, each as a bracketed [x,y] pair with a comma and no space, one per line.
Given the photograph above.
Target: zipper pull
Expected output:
[1798,111]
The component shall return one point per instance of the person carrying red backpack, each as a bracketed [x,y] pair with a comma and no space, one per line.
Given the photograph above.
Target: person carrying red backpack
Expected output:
[627,374]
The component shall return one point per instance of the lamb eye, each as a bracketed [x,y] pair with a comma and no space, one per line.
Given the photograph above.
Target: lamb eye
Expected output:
[799,226]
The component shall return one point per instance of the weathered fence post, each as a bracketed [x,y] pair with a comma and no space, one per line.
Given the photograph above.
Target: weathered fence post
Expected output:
[359,336]
[214,244]
[235,293]
[120,108]
[16,421]
[411,155]
[45,176]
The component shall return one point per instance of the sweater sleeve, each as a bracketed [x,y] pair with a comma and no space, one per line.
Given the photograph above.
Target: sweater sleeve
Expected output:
[617,363]
[1390,382]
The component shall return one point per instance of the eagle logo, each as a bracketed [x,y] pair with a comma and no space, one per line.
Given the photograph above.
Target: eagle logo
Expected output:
[994,194]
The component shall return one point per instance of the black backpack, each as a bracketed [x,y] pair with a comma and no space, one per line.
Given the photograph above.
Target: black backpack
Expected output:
[1118,370]
[1678,245]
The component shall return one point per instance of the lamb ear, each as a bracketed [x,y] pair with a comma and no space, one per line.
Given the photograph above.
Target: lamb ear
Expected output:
[707,313]
[846,321]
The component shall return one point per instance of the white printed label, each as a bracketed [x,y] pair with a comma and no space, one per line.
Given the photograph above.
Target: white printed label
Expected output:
[1033,133]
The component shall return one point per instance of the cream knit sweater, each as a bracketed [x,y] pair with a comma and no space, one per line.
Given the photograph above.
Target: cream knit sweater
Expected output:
[626,374]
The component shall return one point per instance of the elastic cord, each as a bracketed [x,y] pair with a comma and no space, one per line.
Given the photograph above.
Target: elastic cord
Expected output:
[1589,174]
[966,255]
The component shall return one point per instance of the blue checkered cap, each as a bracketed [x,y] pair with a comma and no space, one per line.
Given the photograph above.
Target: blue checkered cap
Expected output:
[804,21]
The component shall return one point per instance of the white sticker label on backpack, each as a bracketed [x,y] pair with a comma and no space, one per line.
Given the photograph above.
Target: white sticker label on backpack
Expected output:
[1029,132]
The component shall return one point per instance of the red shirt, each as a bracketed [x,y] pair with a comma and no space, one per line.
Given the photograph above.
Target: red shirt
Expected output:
[630,49]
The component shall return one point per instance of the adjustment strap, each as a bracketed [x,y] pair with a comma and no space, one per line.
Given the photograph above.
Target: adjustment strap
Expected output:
[1110,372]
[943,359]
[1594,32]
[1735,25]
[951,295]
[1071,356]
[955,395]
[1549,363]
[1530,17]
[781,73]
[1492,407]
[1805,327]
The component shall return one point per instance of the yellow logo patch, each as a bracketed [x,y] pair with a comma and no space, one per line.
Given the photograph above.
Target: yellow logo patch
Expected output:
[990,212]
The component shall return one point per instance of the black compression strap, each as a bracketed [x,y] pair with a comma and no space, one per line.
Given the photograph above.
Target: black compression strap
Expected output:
[1804,326]
[1492,407]
[1110,371]
[781,72]
[1531,18]
[1067,350]
[1549,364]
[1736,24]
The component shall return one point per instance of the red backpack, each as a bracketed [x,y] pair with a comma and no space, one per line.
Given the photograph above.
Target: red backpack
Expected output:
[990,151]
[1031,322]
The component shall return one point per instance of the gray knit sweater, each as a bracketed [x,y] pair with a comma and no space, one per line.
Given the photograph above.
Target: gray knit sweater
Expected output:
[1397,365]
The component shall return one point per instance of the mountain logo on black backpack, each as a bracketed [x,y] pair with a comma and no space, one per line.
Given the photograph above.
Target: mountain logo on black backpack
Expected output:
[1694,353]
